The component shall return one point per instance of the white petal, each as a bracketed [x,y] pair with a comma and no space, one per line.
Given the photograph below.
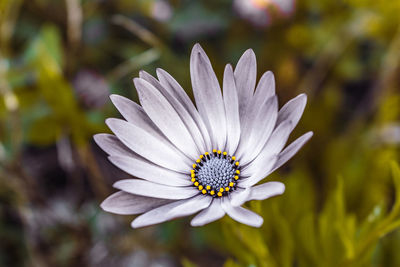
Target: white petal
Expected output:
[212,213]
[173,87]
[191,206]
[149,189]
[258,192]
[265,89]
[278,139]
[112,145]
[272,148]
[231,103]
[291,150]
[257,170]
[240,198]
[128,204]
[207,94]
[171,211]
[146,170]
[292,110]
[135,114]
[242,215]
[245,77]
[259,131]
[149,147]
[181,110]
[163,114]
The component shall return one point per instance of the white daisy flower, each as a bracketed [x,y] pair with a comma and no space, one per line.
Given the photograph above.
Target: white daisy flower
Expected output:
[206,159]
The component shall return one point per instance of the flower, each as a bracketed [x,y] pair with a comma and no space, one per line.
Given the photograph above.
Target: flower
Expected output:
[205,160]
[259,12]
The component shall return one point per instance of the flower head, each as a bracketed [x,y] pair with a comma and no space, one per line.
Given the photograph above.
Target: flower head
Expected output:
[204,160]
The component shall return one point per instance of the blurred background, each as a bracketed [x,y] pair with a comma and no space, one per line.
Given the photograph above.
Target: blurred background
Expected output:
[60,59]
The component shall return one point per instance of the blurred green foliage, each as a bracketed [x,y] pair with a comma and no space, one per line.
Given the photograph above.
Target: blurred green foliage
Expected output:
[342,199]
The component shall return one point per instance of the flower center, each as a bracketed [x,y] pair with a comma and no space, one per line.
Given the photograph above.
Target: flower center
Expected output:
[215,173]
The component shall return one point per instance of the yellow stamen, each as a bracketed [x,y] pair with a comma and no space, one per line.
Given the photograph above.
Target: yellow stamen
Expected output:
[198,160]
[237,171]
[193,175]
[219,151]
[231,184]
[237,163]
[221,190]
[204,191]
[212,192]
[227,189]
[233,158]
[196,184]
[225,153]
[201,156]
[192,171]
[208,187]
[219,194]
[200,187]
[206,153]
[194,166]
[193,180]
[236,177]
[214,150]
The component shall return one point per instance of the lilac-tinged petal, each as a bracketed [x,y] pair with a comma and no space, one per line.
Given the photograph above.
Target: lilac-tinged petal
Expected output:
[242,215]
[265,89]
[259,131]
[292,110]
[257,170]
[135,114]
[149,189]
[207,94]
[231,103]
[258,192]
[171,211]
[112,145]
[149,147]
[174,88]
[146,170]
[212,213]
[191,206]
[163,114]
[181,110]
[128,204]
[291,150]
[245,78]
